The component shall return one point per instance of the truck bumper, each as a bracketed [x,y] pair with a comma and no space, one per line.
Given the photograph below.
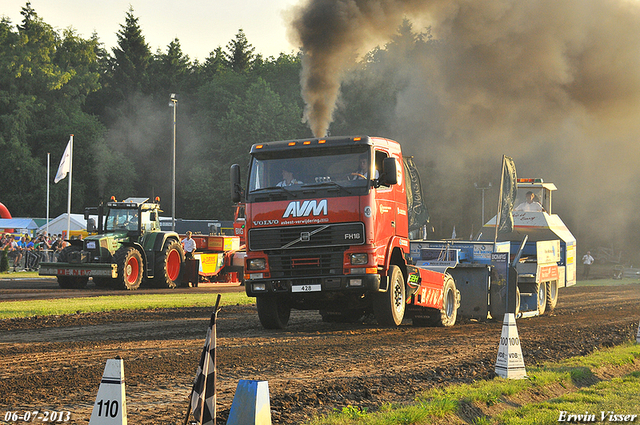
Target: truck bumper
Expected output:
[346,283]
[80,270]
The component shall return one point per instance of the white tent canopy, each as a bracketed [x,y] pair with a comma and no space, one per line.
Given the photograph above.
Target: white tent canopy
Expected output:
[19,225]
[58,225]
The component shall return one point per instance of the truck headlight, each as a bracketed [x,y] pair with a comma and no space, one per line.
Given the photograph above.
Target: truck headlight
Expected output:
[257,264]
[359,258]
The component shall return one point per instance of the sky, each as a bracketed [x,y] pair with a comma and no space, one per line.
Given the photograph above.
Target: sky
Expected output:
[200,25]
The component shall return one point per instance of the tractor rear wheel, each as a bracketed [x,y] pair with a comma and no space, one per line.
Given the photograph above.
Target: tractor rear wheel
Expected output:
[169,262]
[130,268]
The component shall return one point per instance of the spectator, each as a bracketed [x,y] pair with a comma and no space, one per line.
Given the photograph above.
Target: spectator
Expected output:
[60,246]
[587,261]
[18,248]
[30,254]
[189,246]
[43,248]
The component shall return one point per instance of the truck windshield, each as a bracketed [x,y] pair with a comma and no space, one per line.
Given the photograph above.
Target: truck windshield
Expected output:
[336,169]
[122,219]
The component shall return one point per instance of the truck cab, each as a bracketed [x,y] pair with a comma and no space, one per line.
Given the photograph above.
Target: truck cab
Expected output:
[326,228]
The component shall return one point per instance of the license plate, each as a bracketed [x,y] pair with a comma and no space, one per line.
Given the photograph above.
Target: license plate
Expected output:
[306,288]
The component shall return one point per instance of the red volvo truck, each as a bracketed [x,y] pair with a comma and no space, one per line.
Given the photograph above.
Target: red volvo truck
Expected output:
[327,228]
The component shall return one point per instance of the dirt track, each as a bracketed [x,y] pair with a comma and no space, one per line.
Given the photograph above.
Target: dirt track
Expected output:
[312,367]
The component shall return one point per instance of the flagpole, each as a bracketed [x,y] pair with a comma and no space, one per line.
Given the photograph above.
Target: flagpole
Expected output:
[69,193]
[499,215]
[48,179]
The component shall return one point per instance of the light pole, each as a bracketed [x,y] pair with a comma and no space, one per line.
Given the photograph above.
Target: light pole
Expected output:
[482,189]
[174,105]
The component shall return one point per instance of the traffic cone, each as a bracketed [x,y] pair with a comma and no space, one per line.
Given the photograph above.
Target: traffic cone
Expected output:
[250,404]
[510,363]
[110,407]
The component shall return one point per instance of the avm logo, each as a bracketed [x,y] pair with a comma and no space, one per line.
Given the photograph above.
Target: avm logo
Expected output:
[306,208]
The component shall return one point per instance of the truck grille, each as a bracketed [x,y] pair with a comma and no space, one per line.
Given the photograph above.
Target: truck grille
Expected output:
[315,236]
[310,263]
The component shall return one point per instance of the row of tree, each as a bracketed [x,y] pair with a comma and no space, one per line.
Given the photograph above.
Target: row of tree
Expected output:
[116,103]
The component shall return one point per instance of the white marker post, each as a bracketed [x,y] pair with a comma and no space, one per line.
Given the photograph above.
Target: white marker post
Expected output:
[638,336]
[510,363]
[250,404]
[111,405]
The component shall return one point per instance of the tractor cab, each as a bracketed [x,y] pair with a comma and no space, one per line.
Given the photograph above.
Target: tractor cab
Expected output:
[540,191]
[133,217]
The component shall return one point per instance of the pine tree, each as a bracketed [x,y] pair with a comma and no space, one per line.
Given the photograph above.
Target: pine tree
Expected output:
[131,60]
[240,54]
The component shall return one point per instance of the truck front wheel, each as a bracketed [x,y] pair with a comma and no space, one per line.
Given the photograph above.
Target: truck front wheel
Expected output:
[169,261]
[130,268]
[389,307]
[273,312]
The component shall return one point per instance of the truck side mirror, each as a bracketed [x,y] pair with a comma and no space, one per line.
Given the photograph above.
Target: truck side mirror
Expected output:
[91,225]
[236,189]
[389,172]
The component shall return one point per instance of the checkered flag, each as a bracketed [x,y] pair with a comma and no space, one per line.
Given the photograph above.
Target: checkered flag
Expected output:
[203,394]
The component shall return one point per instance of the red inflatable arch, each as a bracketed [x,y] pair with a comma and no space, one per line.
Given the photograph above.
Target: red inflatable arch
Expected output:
[4,212]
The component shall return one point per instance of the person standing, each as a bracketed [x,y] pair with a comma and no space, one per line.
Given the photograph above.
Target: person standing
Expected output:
[587,261]
[189,246]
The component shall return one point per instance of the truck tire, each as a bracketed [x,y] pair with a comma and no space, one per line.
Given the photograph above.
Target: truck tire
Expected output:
[542,297]
[130,268]
[169,265]
[552,294]
[70,282]
[450,303]
[273,312]
[389,306]
[448,314]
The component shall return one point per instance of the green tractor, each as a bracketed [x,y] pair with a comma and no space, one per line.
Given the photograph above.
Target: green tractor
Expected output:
[127,250]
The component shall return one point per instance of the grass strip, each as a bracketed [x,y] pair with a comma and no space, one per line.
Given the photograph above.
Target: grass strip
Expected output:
[30,308]
[616,400]
[446,405]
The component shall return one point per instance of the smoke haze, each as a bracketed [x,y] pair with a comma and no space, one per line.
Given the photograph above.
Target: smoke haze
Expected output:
[553,84]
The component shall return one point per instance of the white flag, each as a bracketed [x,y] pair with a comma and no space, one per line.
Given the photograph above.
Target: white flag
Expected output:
[63,168]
